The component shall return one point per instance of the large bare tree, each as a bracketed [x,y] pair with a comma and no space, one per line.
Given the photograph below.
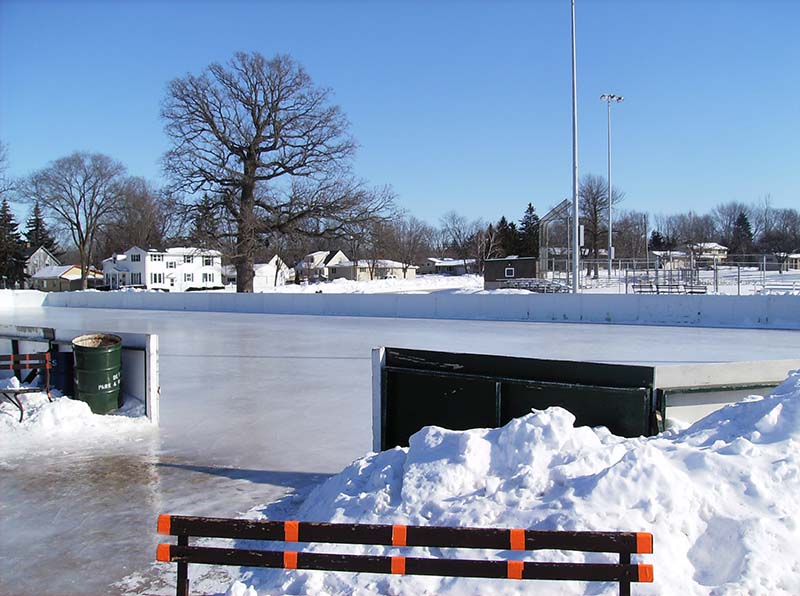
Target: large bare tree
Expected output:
[266,143]
[81,192]
[593,205]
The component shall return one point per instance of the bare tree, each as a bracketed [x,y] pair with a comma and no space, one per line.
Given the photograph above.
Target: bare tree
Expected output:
[144,217]
[466,238]
[6,184]
[593,203]
[240,130]
[410,240]
[725,216]
[630,229]
[82,191]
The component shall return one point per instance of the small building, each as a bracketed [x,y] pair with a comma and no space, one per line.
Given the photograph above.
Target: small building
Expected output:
[271,274]
[64,278]
[368,270]
[447,266]
[708,253]
[671,259]
[36,259]
[173,270]
[315,266]
[793,262]
[497,273]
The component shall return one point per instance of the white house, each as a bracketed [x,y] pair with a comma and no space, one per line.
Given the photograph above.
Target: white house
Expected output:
[173,269]
[315,266]
[266,275]
[447,266]
[37,259]
[381,269]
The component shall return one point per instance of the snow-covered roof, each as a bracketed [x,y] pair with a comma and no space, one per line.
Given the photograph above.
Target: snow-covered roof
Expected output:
[181,251]
[380,263]
[668,253]
[53,271]
[68,272]
[710,246]
[449,261]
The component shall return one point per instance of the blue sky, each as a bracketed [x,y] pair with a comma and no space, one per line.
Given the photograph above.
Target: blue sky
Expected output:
[457,105]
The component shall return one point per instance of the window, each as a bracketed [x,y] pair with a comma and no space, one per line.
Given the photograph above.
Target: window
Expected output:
[188,277]
[172,282]
[136,278]
[509,272]
[135,258]
[171,264]
[156,257]
[188,259]
[208,261]
[155,278]
[208,278]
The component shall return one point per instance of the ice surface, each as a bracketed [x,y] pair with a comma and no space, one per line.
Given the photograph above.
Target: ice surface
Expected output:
[252,407]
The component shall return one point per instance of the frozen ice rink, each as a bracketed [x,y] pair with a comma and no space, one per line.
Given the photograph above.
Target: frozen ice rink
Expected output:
[253,407]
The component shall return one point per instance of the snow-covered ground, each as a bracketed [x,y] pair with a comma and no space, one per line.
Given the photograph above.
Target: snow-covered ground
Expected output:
[728,282]
[257,410]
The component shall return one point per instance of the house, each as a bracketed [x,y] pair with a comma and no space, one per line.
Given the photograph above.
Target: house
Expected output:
[37,259]
[671,259]
[380,269]
[708,253]
[266,275]
[64,278]
[447,266]
[173,269]
[793,262]
[497,273]
[315,266]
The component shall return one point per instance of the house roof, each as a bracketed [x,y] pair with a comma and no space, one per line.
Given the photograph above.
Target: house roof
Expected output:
[710,246]
[68,272]
[30,251]
[381,263]
[450,261]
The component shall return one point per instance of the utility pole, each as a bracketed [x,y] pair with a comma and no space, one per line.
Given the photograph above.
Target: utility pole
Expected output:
[575,217]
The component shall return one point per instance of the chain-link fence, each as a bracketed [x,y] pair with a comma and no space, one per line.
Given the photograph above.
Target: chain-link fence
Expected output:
[740,275]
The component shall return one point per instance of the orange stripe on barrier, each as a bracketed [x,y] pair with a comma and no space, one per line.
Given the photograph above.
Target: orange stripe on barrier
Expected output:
[289,560]
[645,573]
[291,531]
[399,535]
[515,569]
[398,565]
[164,524]
[644,543]
[162,553]
[517,539]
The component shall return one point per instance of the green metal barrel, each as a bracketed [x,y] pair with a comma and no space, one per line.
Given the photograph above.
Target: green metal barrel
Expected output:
[98,371]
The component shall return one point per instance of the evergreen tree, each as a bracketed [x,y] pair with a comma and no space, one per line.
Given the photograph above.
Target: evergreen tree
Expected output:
[38,234]
[12,259]
[742,237]
[508,237]
[529,233]
[657,241]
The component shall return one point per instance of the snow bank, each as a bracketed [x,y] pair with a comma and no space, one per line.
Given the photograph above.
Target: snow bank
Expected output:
[719,496]
[60,422]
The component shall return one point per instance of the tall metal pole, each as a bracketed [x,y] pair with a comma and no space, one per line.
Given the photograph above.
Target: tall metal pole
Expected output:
[575,218]
[608,103]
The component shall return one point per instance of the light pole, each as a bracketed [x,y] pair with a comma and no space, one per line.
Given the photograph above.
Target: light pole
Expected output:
[575,219]
[609,98]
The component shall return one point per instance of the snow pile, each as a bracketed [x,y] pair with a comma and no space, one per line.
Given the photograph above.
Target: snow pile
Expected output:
[63,420]
[719,496]
[422,284]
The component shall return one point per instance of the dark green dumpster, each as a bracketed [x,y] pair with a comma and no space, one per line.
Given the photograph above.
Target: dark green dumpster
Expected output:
[98,374]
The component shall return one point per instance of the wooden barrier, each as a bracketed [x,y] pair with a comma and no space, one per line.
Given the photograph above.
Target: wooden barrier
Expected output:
[624,544]
[37,363]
